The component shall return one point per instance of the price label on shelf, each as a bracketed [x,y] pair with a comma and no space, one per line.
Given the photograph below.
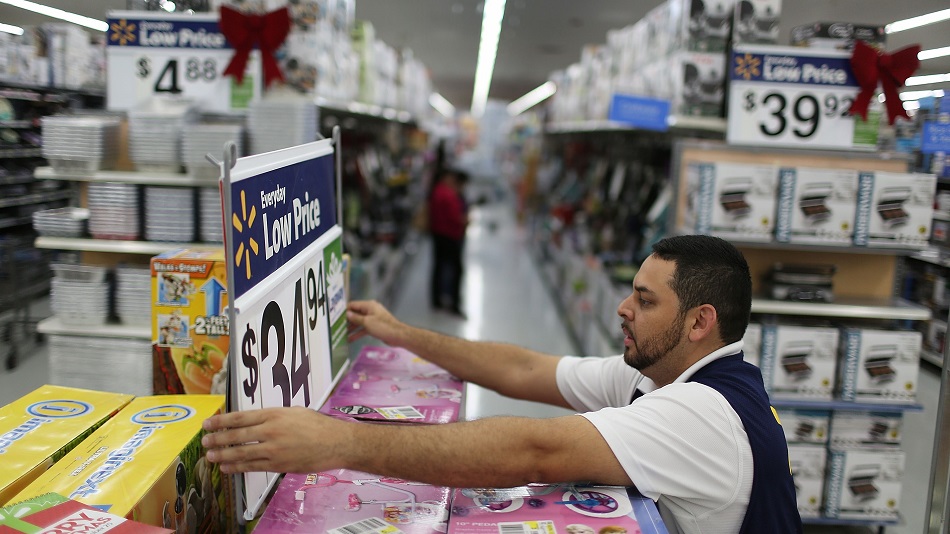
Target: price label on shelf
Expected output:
[794,98]
[151,53]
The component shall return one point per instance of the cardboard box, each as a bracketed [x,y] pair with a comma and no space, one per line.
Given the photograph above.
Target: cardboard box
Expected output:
[863,430]
[697,83]
[756,21]
[894,209]
[808,472]
[42,426]
[805,426]
[798,362]
[752,343]
[838,35]
[732,200]
[701,27]
[864,484]
[879,365]
[53,513]
[147,464]
[816,206]
[190,330]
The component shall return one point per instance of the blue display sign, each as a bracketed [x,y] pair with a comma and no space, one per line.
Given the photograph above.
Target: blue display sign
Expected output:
[640,112]
[791,69]
[935,137]
[169,32]
[278,214]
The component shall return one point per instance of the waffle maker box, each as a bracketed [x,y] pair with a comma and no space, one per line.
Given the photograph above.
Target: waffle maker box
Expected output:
[798,362]
[894,209]
[866,430]
[732,200]
[756,21]
[879,365]
[805,426]
[816,206]
[808,472]
[864,484]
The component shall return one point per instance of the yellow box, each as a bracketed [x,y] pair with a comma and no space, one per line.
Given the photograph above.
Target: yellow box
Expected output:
[147,464]
[190,331]
[42,426]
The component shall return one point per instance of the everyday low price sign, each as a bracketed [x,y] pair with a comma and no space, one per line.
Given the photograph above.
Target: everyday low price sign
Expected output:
[796,98]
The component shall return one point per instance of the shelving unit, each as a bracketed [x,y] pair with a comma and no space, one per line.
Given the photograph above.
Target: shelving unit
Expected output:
[148,248]
[678,125]
[129,177]
[53,326]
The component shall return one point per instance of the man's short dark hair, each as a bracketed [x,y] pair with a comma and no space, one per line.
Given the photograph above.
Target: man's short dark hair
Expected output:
[710,270]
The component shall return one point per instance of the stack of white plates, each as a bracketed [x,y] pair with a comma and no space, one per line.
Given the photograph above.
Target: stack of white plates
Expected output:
[201,139]
[101,363]
[80,144]
[80,294]
[209,209]
[113,210]
[61,222]
[281,123]
[169,214]
[133,295]
[155,138]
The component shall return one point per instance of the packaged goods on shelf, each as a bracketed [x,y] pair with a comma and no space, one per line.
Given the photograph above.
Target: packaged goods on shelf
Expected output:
[810,282]
[864,484]
[838,35]
[80,144]
[147,464]
[54,513]
[731,200]
[756,21]
[805,426]
[70,56]
[104,363]
[61,222]
[170,214]
[155,135]
[201,139]
[133,295]
[37,429]
[210,216]
[344,501]
[752,344]
[79,294]
[894,209]
[816,206]
[798,362]
[936,335]
[190,329]
[114,210]
[701,26]
[866,430]
[281,121]
[879,365]
[698,83]
[808,472]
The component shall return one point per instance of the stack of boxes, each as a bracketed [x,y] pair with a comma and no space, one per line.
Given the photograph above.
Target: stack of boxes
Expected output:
[54,54]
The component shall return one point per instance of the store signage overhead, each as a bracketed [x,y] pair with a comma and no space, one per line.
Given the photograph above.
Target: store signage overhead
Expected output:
[935,137]
[795,97]
[151,53]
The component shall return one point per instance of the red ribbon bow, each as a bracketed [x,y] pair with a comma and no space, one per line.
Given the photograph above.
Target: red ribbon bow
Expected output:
[244,32]
[892,70]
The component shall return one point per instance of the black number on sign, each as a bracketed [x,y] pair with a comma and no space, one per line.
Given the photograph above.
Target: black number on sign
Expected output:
[197,70]
[171,85]
[209,70]
[811,117]
[831,105]
[846,103]
[272,319]
[778,113]
[193,69]
[324,300]
[312,299]
[250,361]
[300,375]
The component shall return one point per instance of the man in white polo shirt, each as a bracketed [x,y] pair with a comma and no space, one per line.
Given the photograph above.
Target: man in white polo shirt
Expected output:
[679,415]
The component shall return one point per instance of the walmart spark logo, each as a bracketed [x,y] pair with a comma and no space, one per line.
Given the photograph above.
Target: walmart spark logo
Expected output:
[748,66]
[246,220]
[123,32]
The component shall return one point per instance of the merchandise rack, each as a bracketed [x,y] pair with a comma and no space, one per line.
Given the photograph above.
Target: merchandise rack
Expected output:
[53,325]
[129,177]
[149,248]
[678,124]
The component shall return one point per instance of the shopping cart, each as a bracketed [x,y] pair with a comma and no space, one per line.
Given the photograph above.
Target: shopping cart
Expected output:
[24,277]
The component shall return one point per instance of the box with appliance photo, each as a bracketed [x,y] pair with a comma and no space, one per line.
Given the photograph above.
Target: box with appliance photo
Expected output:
[190,330]
[731,200]
[864,484]
[863,430]
[812,282]
[805,426]
[798,362]
[54,514]
[756,21]
[879,365]
[838,35]
[701,25]
[37,429]
[346,502]
[697,83]
[808,472]
[751,343]
[147,464]
[894,209]
[816,206]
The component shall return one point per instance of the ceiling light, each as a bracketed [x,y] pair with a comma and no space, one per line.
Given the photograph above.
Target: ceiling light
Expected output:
[8,28]
[916,22]
[94,24]
[911,105]
[933,52]
[927,79]
[917,95]
[492,15]
[531,98]
[442,105]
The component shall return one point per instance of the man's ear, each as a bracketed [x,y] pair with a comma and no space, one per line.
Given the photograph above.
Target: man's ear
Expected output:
[705,321]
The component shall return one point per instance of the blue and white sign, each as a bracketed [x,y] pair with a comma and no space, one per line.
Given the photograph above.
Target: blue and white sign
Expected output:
[281,218]
[935,137]
[172,54]
[640,112]
[792,97]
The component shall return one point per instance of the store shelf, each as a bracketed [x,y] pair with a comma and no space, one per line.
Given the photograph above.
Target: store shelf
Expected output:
[850,522]
[847,406]
[940,216]
[128,177]
[36,198]
[855,308]
[933,255]
[931,357]
[150,248]
[848,249]
[21,152]
[366,110]
[15,84]
[15,221]
[54,326]
[706,124]
[23,178]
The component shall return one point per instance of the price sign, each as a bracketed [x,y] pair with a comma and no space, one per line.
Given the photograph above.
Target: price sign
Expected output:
[793,97]
[172,54]
[283,252]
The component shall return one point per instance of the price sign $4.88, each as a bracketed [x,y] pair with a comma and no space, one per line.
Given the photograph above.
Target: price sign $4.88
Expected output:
[283,333]
[172,74]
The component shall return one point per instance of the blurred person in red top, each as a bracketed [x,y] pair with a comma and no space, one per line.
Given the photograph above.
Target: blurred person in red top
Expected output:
[448,217]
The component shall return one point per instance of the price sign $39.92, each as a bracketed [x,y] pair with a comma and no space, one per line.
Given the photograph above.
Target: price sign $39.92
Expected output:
[276,352]
[792,116]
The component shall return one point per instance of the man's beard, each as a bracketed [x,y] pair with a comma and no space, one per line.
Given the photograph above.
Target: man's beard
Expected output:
[651,350]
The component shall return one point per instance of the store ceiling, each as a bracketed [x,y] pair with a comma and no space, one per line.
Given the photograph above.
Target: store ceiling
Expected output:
[540,36]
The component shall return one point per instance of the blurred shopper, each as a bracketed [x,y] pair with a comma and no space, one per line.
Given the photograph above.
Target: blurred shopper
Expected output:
[448,218]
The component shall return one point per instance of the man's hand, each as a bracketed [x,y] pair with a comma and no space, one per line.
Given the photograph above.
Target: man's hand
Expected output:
[368,317]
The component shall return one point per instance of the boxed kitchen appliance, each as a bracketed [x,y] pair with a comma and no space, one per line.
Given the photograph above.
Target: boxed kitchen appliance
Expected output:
[798,362]
[862,430]
[805,426]
[816,206]
[731,200]
[808,472]
[864,484]
[894,209]
[756,21]
[879,365]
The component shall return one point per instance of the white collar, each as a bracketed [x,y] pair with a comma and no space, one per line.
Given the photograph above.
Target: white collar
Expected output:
[647,385]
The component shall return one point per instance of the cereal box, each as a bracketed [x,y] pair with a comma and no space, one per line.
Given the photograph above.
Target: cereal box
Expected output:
[53,513]
[147,464]
[190,330]
[39,428]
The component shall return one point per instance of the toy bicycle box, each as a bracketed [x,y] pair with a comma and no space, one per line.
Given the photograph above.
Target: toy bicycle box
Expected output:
[39,428]
[53,513]
[147,464]
[346,502]
[190,328]
[554,508]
